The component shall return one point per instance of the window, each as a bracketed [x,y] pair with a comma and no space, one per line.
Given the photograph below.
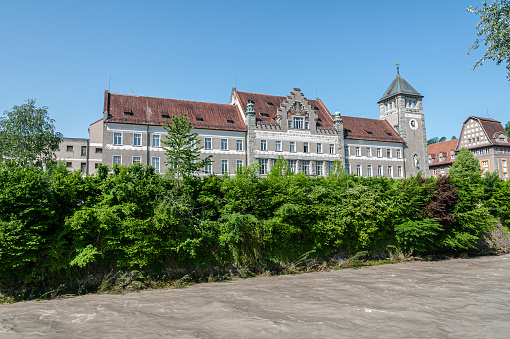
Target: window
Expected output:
[263,145]
[346,150]
[278,146]
[117,138]
[379,152]
[369,170]
[292,165]
[305,147]
[331,148]
[239,144]
[99,150]
[369,152]
[69,164]
[319,167]
[399,171]
[330,166]
[503,163]
[388,153]
[348,169]
[224,144]
[137,139]
[83,167]
[298,122]
[155,164]
[96,165]
[307,125]
[239,163]
[83,151]
[208,143]
[379,171]
[319,148]
[399,154]
[263,166]
[442,171]
[485,165]
[117,159]
[155,140]
[224,166]
[289,123]
[69,148]
[358,151]
[292,146]
[390,171]
[208,169]
[137,160]
[306,167]
[358,170]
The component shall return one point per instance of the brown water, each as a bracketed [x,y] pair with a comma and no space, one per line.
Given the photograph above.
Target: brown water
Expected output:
[462,298]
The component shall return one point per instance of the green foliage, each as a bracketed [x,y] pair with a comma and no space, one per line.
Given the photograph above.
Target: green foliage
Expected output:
[507,128]
[494,30]
[465,165]
[58,227]
[182,148]
[28,136]
[436,140]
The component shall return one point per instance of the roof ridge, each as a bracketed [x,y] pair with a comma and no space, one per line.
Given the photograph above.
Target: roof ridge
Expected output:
[144,96]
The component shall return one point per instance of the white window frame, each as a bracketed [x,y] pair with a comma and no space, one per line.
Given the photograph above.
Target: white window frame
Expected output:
[263,169]
[155,162]
[117,138]
[224,144]
[399,153]
[319,168]
[399,171]
[137,139]
[319,148]
[369,152]
[379,171]
[292,146]
[137,160]
[306,166]
[348,169]
[278,146]
[379,152]
[224,166]
[239,144]
[263,145]
[239,164]
[156,140]
[346,151]
[306,147]
[207,143]
[292,165]
[208,169]
[359,170]
[388,153]
[390,171]
[369,171]
[331,148]
[358,151]
[298,122]
[119,157]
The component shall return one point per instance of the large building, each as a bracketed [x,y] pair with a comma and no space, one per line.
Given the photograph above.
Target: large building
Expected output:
[485,138]
[260,128]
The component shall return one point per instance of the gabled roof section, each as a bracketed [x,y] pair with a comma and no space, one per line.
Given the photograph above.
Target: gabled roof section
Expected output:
[399,86]
[266,107]
[133,109]
[369,129]
[445,148]
[492,129]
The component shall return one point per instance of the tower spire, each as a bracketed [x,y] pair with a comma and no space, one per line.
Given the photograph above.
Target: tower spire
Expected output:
[398,64]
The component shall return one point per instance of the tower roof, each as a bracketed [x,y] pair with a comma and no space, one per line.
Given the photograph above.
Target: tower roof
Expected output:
[399,86]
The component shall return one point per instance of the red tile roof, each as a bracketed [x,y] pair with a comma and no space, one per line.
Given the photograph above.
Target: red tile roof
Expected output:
[493,128]
[133,109]
[369,129]
[266,107]
[443,148]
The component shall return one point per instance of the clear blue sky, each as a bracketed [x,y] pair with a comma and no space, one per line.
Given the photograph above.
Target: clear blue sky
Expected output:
[62,53]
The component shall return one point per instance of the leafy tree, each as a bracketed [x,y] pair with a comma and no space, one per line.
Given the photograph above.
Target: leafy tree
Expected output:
[453,137]
[494,31]
[28,136]
[465,165]
[182,151]
[436,140]
[507,128]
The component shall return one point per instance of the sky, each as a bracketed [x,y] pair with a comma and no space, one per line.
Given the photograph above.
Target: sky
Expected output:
[65,54]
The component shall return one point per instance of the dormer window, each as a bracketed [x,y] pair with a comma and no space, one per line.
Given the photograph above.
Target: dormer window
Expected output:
[165,116]
[270,104]
[200,119]
[230,121]
[265,115]
[128,113]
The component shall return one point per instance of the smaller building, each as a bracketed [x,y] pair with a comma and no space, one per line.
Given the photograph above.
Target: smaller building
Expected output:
[441,157]
[484,137]
[74,152]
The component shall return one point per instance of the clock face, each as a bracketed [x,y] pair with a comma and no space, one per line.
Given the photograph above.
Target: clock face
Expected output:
[413,123]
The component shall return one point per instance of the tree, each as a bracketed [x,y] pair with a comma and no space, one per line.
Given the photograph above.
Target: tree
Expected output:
[453,138]
[494,31]
[436,140]
[507,128]
[28,136]
[182,151]
[465,165]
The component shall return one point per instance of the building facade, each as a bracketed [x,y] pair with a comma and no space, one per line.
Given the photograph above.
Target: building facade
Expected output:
[260,128]
[484,137]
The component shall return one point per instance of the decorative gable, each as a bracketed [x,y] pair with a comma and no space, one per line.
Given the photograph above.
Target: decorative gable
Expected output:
[295,112]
